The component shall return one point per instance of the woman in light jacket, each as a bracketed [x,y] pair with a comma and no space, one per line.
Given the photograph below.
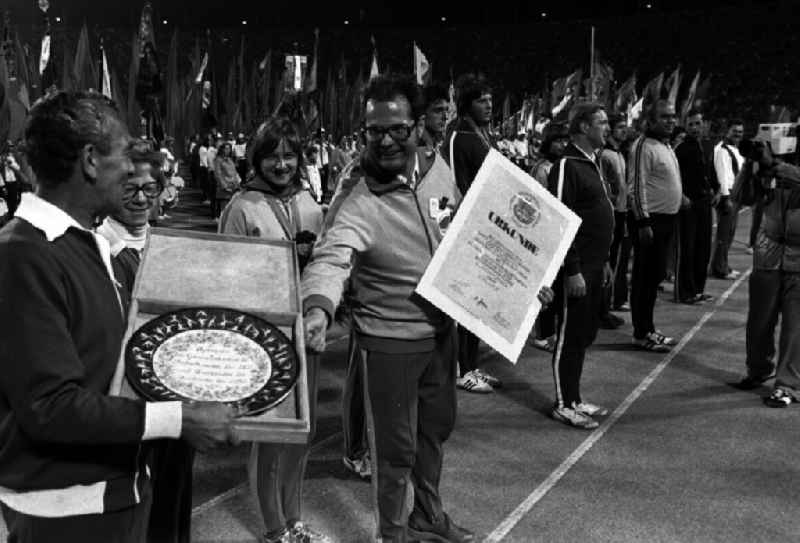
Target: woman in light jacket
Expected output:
[226,176]
[274,205]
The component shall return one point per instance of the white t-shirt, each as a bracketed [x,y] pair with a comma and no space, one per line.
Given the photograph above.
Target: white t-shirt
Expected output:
[724,167]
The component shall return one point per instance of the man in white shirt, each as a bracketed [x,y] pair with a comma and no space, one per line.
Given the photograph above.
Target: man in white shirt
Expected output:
[727,164]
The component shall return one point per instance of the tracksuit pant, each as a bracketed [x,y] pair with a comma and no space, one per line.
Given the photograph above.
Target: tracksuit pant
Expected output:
[620,255]
[774,293]
[467,350]
[354,424]
[694,249]
[411,411]
[276,470]
[726,230]
[578,320]
[649,268]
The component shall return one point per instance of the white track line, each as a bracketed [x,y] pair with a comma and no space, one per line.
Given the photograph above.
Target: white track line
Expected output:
[508,524]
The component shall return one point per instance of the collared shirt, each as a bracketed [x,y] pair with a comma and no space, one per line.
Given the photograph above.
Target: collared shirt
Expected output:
[724,167]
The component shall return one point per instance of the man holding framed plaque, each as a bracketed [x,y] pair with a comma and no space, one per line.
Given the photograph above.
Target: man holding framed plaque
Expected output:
[71,465]
[577,181]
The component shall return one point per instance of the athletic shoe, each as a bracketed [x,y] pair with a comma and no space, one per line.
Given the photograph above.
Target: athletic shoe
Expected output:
[444,531]
[750,382]
[707,297]
[659,336]
[302,533]
[624,306]
[488,378]
[573,417]
[779,398]
[546,344]
[591,409]
[360,466]
[693,300]
[648,343]
[473,383]
[281,536]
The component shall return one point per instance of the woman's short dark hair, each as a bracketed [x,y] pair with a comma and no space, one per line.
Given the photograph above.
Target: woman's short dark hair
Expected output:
[470,87]
[384,88]
[60,125]
[269,136]
[144,152]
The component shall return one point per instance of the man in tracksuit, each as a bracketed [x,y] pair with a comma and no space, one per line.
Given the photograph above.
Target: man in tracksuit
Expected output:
[576,180]
[381,231]
[654,181]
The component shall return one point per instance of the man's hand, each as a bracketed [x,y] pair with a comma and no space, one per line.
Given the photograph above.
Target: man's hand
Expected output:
[608,274]
[207,425]
[715,199]
[546,296]
[316,325]
[576,286]
[725,205]
[645,236]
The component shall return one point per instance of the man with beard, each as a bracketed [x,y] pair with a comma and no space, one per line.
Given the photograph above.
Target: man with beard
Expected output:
[576,180]
[381,232]
[467,143]
[694,229]
[654,181]
[72,466]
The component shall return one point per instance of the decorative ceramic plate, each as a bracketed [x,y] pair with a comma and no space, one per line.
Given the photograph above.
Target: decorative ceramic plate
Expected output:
[212,355]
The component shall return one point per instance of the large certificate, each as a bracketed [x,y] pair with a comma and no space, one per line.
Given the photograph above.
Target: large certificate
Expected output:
[507,240]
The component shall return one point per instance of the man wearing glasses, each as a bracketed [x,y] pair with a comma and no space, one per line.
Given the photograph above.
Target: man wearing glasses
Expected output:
[383,226]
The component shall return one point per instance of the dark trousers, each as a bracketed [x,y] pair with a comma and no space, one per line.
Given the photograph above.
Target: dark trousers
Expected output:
[411,410]
[124,526]
[649,267]
[13,196]
[620,255]
[758,214]
[467,350]
[354,424]
[694,249]
[726,230]
[277,470]
[171,515]
[578,321]
[774,293]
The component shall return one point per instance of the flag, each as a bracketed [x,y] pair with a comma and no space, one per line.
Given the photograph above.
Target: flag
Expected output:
[5,107]
[172,98]
[202,70]
[23,75]
[265,78]
[626,94]
[84,70]
[311,78]
[133,106]
[374,71]
[652,91]
[570,87]
[702,91]
[635,110]
[452,111]
[558,91]
[603,77]
[149,86]
[688,102]
[672,85]
[105,84]
[422,68]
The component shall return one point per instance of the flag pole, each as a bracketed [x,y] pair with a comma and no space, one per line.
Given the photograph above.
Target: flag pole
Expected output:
[591,67]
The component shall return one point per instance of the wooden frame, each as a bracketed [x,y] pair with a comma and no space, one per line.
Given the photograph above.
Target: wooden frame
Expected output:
[182,269]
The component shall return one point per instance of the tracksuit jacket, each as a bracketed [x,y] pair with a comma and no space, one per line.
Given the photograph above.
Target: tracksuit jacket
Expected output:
[385,234]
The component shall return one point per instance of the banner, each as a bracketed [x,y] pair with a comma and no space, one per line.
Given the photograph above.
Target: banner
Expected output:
[507,240]
[422,67]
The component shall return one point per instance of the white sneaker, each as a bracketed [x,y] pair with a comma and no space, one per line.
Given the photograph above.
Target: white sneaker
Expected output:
[659,336]
[471,382]
[575,418]
[591,409]
[488,378]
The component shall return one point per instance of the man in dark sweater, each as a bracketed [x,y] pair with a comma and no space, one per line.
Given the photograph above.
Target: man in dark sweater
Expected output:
[576,180]
[694,228]
[72,466]
[467,144]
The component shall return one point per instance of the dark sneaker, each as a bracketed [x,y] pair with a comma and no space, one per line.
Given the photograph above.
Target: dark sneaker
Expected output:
[609,321]
[444,531]
[779,398]
[752,382]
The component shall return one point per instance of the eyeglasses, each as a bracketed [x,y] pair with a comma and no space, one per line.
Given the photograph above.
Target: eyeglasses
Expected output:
[150,190]
[398,132]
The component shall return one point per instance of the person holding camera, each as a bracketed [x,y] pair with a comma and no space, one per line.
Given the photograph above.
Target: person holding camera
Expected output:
[775,281]
[275,205]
